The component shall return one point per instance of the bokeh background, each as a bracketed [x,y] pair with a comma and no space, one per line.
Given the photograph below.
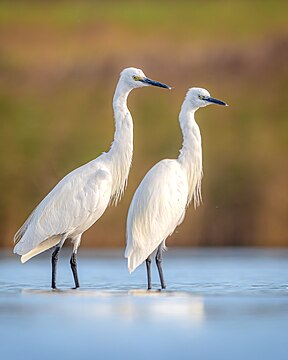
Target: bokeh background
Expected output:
[59,65]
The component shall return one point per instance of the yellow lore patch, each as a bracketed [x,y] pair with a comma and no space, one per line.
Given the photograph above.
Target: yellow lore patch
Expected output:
[137,78]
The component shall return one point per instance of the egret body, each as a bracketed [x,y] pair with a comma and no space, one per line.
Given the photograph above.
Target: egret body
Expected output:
[159,203]
[83,195]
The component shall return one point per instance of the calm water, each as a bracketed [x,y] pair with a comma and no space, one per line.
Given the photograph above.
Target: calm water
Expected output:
[219,304]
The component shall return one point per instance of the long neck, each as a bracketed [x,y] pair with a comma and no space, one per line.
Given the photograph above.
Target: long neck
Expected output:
[121,150]
[190,156]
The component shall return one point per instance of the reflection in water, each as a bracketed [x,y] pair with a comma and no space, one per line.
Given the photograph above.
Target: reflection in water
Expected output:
[189,310]
[161,305]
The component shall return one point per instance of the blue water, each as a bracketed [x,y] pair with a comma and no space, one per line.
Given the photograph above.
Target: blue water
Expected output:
[219,304]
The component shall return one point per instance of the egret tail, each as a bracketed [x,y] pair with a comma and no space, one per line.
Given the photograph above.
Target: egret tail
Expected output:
[137,256]
[45,245]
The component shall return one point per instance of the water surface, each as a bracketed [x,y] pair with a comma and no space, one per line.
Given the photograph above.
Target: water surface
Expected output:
[219,304]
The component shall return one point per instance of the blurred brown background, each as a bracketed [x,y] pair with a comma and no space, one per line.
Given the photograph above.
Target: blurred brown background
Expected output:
[59,65]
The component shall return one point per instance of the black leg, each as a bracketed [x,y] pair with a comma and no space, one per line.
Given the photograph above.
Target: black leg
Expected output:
[159,266]
[73,263]
[55,257]
[148,266]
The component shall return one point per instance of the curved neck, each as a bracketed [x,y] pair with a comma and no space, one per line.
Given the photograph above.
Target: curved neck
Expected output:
[190,156]
[121,150]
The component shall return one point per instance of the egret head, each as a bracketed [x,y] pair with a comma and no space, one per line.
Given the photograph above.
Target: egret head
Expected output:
[135,78]
[199,97]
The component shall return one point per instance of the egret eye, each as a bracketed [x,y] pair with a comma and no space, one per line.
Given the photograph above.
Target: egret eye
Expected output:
[136,78]
[201,97]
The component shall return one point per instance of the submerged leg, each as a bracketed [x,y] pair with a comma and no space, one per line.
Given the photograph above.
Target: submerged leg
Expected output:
[55,257]
[73,263]
[148,267]
[158,259]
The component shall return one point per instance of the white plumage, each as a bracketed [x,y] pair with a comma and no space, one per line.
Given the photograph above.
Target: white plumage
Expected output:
[158,206]
[82,196]
[159,203]
[75,203]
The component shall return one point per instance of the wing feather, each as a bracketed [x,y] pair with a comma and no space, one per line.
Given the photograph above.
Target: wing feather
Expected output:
[157,207]
[79,198]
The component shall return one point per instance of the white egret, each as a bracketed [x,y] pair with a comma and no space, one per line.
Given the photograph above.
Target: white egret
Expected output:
[159,203]
[83,195]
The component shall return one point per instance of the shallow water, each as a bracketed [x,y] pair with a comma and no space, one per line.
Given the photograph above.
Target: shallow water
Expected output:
[219,304]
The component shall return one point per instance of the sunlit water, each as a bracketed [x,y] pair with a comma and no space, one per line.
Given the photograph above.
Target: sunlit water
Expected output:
[219,304]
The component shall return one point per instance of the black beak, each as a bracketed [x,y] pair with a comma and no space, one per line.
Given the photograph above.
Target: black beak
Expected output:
[155,83]
[215,101]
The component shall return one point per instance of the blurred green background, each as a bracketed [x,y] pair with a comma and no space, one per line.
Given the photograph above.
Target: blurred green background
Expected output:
[59,65]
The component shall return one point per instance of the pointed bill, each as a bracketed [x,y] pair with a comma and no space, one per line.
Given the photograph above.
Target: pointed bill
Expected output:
[215,101]
[155,83]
